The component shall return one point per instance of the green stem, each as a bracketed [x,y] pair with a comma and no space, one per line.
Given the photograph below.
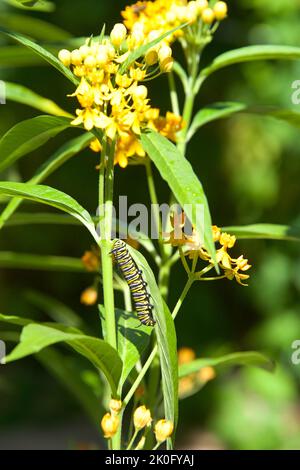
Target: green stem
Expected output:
[154,203]
[173,94]
[183,295]
[105,206]
[133,439]
[155,349]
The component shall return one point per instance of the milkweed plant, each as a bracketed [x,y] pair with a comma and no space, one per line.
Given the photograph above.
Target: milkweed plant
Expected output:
[139,375]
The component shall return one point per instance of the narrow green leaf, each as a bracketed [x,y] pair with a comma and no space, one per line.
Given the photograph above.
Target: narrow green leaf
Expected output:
[133,339]
[27,136]
[37,5]
[33,27]
[265,231]
[56,310]
[166,340]
[51,197]
[21,94]
[212,113]
[9,259]
[142,50]
[185,185]
[35,338]
[43,53]
[64,369]
[247,358]
[252,53]
[14,320]
[61,156]
[226,109]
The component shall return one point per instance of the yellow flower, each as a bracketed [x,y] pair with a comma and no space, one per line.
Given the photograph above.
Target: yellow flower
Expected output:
[91,260]
[163,430]
[110,424]
[206,374]
[186,355]
[89,296]
[142,417]
[65,57]
[208,16]
[220,10]
[115,406]
[118,34]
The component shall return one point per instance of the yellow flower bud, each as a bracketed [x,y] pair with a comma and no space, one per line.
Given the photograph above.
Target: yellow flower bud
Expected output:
[151,57]
[140,92]
[167,65]
[102,56]
[65,57]
[109,424]
[206,374]
[142,417]
[89,296]
[115,406]
[165,52]
[208,16]
[186,355]
[84,50]
[76,58]
[201,5]
[163,430]
[220,10]
[118,34]
[90,61]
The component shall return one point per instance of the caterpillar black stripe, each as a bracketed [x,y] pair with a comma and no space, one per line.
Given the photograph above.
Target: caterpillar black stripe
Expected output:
[135,281]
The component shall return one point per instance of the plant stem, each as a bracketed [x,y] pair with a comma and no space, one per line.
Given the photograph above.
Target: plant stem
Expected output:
[173,94]
[106,179]
[133,439]
[183,295]
[155,349]
[154,203]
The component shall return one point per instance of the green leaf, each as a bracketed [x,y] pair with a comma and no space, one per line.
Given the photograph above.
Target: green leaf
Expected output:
[35,338]
[265,231]
[61,156]
[51,197]
[248,358]
[212,113]
[251,53]
[34,27]
[132,339]
[62,368]
[56,310]
[226,109]
[27,136]
[142,50]
[14,320]
[185,185]
[166,340]
[21,94]
[44,54]
[37,5]
[14,260]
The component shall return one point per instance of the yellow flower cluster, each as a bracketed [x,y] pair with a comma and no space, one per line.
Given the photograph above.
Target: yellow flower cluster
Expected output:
[142,419]
[191,383]
[233,268]
[115,100]
[159,16]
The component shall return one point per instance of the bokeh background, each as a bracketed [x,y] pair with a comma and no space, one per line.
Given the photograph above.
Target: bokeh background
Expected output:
[250,168]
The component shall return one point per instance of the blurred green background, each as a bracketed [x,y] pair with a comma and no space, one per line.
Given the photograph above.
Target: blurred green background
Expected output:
[250,168]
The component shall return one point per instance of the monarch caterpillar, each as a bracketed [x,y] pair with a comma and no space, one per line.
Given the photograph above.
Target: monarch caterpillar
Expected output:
[135,281]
